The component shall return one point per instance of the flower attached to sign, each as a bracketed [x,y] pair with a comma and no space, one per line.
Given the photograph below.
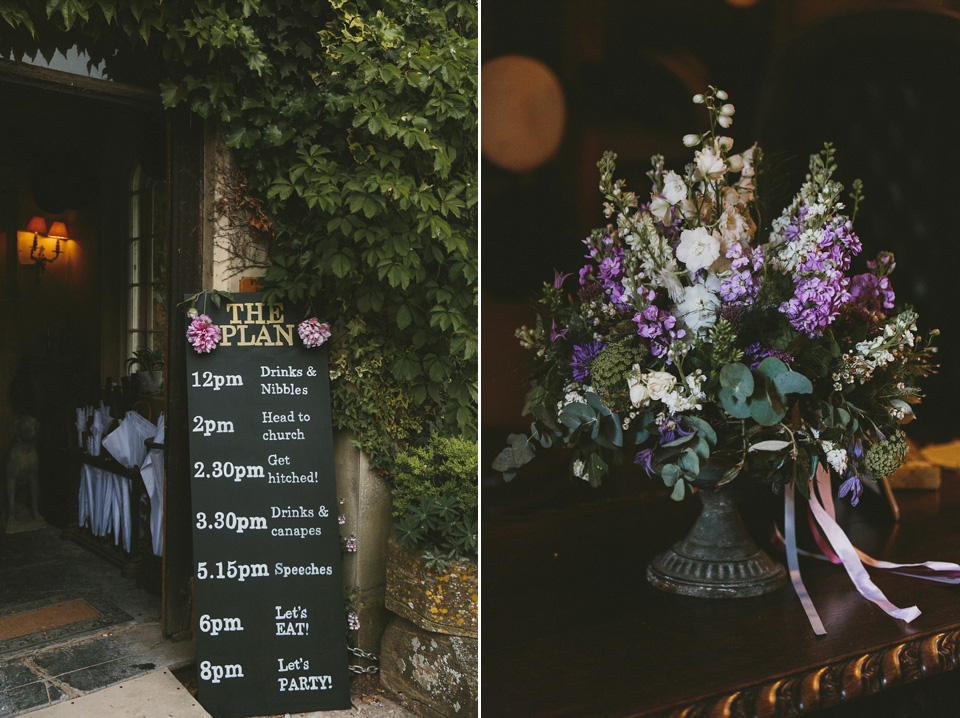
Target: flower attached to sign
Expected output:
[203,334]
[353,621]
[313,333]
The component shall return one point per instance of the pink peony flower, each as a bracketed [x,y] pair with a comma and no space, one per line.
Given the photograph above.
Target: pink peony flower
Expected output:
[313,333]
[203,334]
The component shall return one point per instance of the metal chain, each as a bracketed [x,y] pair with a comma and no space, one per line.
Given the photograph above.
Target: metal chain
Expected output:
[368,656]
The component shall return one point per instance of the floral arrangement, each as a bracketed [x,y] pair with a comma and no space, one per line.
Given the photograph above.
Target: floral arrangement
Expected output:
[697,335]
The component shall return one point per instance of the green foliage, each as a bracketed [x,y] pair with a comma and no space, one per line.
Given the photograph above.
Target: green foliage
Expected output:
[885,457]
[610,369]
[355,123]
[760,395]
[435,497]
[147,359]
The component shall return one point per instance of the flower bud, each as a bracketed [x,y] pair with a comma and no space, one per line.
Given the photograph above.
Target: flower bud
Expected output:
[698,99]
[721,95]
[691,140]
[725,143]
[735,163]
[727,110]
[724,121]
[192,313]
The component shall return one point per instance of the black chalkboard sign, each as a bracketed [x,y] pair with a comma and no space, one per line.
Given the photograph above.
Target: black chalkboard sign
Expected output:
[271,626]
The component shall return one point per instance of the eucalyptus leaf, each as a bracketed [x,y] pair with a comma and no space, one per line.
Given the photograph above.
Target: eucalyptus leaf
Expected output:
[764,414]
[679,491]
[792,382]
[737,377]
[769,445]
[690,463]
[670,473]
[703,428]
[734,405]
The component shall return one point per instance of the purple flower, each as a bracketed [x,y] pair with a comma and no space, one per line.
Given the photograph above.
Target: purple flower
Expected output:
[758,352]
[871,292]
[559,279]
[203,334]
[816,302]
[853,487]
[644,458]
[554,334]
[350,543]
[742,286]
[582,358]
[353,622]
[658,326]
[671,430]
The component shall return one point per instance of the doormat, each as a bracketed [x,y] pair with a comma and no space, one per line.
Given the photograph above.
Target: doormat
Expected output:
[40,623]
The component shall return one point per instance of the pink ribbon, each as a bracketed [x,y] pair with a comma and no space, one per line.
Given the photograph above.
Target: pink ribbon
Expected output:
[837,548]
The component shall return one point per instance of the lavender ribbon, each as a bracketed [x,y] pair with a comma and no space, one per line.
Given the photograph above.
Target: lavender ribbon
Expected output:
[790,528]
[850,556]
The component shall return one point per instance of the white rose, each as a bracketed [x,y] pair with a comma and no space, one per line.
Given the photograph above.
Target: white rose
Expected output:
[699,308]
[698,249]
[710,165]
[639,394]
[674,190]
[659,383]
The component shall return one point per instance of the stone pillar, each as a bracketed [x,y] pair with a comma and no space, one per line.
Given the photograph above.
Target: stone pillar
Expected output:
[367,509]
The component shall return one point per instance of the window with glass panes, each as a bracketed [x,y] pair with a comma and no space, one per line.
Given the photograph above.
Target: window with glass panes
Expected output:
[146,306]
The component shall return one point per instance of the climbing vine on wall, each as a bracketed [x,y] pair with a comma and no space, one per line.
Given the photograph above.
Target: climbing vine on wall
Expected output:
[355,124]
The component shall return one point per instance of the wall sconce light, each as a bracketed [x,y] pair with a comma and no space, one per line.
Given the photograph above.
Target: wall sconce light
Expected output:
[33,245]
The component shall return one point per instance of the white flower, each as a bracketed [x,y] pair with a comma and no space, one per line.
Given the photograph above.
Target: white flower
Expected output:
[836,457]
[659,383]
[639,394]
[691,140]
[735,163]
[578,467]
[698,249]
[674,190]
[710,165]
[699,308]
[659,208]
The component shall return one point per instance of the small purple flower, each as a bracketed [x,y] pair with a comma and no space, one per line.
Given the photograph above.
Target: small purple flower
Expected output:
[871,292]
[554,334]
[758,352]
[658,326]
[559,279]
[644,459]
[353,621]
[582,358]
[853,487]
[671,430]
[341,519]
[350,543]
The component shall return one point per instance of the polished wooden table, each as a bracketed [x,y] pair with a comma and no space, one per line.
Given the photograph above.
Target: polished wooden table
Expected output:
[570,626]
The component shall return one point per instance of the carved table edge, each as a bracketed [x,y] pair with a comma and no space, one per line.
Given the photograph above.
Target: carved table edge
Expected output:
[832,683]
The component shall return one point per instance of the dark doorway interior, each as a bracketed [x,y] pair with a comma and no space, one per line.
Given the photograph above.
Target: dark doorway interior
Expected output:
[95,169]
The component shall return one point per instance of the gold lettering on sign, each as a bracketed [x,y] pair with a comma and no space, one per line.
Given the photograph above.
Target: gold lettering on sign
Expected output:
[252,324]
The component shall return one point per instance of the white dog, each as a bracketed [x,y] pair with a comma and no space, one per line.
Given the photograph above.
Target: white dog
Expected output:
[23,465]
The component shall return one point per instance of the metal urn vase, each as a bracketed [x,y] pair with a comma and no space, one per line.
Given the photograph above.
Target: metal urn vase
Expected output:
[718,558]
